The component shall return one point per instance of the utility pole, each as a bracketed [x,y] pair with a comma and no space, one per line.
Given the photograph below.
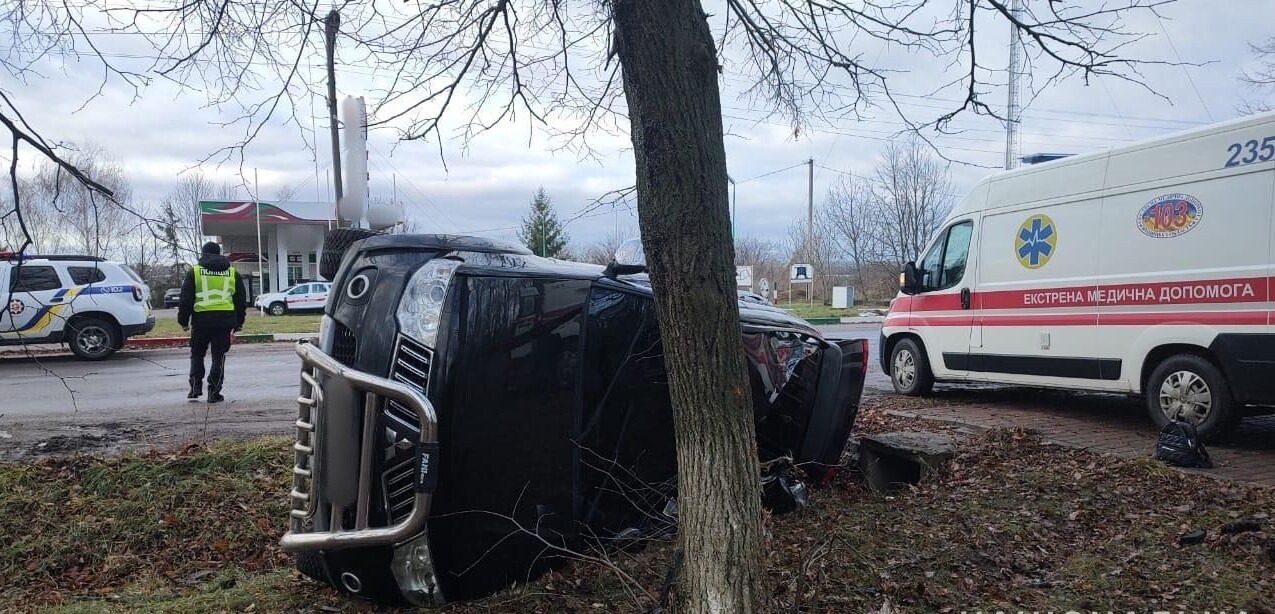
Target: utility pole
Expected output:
[810,207]
[1012,110]
[732,206]
[331,26]
[256,206]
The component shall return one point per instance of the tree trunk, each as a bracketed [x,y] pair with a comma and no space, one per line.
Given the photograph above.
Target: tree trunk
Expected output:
[670,81]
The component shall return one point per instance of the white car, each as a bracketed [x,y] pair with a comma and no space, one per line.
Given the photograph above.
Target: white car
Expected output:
[91,304]
[310,296]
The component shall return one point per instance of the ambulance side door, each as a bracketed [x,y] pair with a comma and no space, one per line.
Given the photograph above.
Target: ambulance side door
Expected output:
[943,306]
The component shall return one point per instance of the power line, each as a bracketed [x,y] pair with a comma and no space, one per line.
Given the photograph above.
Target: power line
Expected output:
[1181,65]
[420,193]
[879,181]
[422,211]
[786,168]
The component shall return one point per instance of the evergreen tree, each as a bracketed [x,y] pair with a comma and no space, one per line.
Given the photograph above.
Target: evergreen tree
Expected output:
[541,232]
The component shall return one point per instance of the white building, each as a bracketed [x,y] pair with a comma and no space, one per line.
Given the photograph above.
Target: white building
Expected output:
[291,238]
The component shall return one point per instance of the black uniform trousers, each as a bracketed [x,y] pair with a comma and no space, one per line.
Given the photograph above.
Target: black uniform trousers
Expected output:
[201,339]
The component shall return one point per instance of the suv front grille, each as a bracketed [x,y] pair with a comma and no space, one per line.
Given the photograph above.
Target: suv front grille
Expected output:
[343,344]
[412,367]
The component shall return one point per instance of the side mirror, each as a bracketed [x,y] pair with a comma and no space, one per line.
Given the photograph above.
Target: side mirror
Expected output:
[909,280]
[629,259]
[616,269]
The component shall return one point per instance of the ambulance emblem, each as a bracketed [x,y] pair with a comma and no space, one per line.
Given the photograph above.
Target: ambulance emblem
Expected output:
[1170,215]
[1036,240]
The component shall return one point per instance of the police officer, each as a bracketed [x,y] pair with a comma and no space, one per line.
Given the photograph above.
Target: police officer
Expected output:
[213,303]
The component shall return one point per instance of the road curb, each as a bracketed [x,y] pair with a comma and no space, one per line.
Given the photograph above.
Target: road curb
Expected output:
[862,320]
[164,342]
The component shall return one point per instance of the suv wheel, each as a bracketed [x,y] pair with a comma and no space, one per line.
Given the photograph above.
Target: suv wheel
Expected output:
[335,242]
[1189,388]
[910,369]
[277,309]
[93,338]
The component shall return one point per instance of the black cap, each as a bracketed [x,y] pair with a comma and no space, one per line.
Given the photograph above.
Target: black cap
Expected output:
[211,247]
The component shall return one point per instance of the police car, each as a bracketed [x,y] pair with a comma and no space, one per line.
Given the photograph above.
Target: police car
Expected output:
[88,303]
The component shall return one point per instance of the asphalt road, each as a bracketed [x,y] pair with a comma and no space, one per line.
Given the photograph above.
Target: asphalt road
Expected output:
[61,386]
[138,398]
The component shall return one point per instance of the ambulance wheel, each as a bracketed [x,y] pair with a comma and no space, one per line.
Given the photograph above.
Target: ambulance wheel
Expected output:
[277,309]
[93,338]
[1189,388]
[910,369]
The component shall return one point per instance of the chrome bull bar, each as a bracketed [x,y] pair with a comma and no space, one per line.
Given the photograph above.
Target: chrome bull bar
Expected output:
[309,425]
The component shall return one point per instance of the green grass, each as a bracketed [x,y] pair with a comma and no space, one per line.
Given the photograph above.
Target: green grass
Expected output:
[230,590]
[807,311]
[80,525]
[1011,524]
[255,324]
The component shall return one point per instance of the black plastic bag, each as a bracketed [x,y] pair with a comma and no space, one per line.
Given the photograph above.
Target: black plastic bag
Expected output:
[782,489]
[1179,445]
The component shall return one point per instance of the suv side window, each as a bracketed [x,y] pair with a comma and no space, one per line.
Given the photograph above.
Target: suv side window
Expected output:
[302,289]
[83,275]
[34,279]
[944,265]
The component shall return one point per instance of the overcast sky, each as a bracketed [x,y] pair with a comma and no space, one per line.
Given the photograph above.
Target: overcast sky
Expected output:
[487,184]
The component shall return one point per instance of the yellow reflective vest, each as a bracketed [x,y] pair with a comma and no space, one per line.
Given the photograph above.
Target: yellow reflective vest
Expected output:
[214,290]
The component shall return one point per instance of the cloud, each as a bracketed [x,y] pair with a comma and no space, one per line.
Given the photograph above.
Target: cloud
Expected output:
[487,183]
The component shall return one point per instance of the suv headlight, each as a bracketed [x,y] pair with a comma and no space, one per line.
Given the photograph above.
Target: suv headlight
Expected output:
[421,307]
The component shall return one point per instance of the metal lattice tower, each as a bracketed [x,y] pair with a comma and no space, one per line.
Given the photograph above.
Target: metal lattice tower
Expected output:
[1012,110]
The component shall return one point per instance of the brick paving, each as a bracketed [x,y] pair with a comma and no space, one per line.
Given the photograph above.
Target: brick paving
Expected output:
[1104,424]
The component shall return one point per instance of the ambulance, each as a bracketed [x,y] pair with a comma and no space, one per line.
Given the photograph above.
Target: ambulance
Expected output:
[1144,270]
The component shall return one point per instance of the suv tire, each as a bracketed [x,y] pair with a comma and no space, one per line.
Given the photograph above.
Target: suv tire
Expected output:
[335,242]
[93,338]
[910,369]
[277,309]
[1188,387]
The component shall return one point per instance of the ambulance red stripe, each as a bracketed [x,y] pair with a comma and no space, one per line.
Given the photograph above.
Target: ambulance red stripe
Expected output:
[1195,292]
[1180,318]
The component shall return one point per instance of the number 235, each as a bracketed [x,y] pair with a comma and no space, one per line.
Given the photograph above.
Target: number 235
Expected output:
[1254,151]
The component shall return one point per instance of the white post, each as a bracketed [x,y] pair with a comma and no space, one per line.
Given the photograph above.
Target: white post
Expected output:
[256,206]
[281,255]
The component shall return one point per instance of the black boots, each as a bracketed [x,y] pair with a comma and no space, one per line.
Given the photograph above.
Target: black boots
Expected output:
[214,393]
[214,390]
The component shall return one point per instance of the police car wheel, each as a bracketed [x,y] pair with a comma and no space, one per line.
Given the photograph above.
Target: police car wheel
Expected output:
[910,369]
[93,338]
[277,309]
[1189,388]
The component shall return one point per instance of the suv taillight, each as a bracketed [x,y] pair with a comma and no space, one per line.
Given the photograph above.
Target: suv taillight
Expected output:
[137,294]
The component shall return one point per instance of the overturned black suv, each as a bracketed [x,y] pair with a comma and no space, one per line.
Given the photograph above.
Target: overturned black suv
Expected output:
[469,402]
